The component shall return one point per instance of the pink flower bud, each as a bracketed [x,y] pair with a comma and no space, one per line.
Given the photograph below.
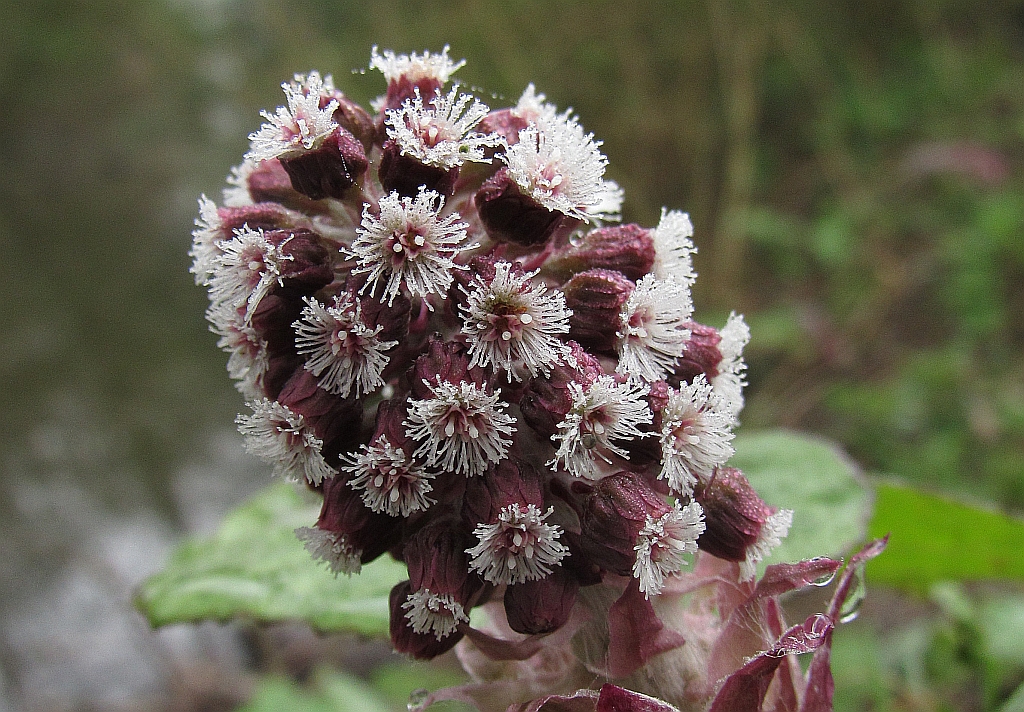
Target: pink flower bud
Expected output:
[596,298]
[359,535]
[269,182]
[505,122]
[740,526]
[509,215]
[353,118]
[511,481]
[443,361]
[628,249]
[407,176]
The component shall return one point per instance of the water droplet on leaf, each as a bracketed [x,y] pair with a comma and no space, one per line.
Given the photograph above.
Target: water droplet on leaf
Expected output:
[418,699]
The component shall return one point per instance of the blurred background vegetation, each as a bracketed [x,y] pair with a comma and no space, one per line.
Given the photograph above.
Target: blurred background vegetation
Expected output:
[854,170]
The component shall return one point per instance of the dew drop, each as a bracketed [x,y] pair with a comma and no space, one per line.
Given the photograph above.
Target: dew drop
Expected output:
[824,580]
[418,700]
[851,606]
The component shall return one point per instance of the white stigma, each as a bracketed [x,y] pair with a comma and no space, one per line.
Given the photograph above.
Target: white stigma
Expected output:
[390,480]
[696,435]
[430,612]
[651,335]
[281,437]
[518,547]
[662,544]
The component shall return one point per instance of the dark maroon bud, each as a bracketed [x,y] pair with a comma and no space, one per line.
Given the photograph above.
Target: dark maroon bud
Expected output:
[700,354]
[404,88]
[733,514]
[335,420]
[343,513]
[442,361]
[628,249]
[353,118]
[269,182]
[258,216]
[393,319]
[596,298]
[436,558]
[272,320]
[509,215]
[511,481]
[307,265]
[541,606]
[406,175]
[330,169]
[546,399]
[280,368]
[504,122]
[612,514]
[422,646]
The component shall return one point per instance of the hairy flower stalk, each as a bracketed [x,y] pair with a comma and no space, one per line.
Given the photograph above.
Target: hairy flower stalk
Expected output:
[440,327]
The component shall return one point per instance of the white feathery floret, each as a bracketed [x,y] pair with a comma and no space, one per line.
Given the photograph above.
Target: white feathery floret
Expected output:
[409,244]
[341,349]
[430,612]
[246,269]
[559,166]
[518,547]
[732,371]
[280,436]
[696,435]
[652,333]
[299,127]
[462,429]
[440,133]
[236,193]
[603,415]
[391,481]
[662,544]
[415,67]
[511,321]
[248,359]
[331,548]
[208,232]
[674,248]
[773,531]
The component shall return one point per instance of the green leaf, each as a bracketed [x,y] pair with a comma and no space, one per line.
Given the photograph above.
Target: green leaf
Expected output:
[814,478]
[936,539]
[328,691]
[255,568]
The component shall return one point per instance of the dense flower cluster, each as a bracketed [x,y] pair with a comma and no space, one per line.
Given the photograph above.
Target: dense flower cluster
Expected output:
[439,326]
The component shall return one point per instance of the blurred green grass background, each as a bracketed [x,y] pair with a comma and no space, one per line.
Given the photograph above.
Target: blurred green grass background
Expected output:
[853,170]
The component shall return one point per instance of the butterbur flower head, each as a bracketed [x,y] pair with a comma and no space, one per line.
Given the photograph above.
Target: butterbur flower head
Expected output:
[440,133]
[299,127]
[561,167]
[512,322]
[439,332]
[519,546]
[391,481]
[409,74]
